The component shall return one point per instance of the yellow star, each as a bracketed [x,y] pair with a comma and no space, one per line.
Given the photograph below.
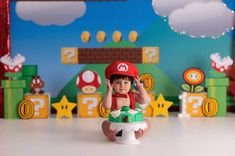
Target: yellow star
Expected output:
[64,108]
[160,106]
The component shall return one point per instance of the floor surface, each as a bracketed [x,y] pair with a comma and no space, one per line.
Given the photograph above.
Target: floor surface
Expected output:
[83,137]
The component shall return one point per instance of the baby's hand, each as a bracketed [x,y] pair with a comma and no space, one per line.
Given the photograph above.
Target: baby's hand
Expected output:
[108,84]
[137,81]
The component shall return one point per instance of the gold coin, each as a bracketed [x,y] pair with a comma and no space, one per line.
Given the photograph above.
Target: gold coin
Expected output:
[148,81]
[26,109]
[133,36]
[101,36]
[210,107]
[103,112]
[117,36]
[85,36]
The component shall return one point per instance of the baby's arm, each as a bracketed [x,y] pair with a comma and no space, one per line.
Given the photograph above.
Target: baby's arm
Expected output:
[141,97]
[107,101]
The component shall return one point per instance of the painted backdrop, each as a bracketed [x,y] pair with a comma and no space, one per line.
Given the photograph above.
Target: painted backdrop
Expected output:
[186,31]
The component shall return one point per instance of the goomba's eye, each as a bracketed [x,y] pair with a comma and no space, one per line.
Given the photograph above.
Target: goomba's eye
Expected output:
[38,81]
[34,81]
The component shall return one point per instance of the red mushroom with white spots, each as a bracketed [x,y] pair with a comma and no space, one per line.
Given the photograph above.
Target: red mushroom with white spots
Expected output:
[88,81]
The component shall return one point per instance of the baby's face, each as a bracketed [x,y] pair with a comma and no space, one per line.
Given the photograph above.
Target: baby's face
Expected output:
[121,86]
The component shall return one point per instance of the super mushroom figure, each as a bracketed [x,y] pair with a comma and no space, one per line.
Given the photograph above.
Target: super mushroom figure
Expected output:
[88,81]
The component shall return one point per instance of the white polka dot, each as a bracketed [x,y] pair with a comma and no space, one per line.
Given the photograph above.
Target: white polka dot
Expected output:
[78,80]
[213,64]
[99,80]
[221,69]
[88,76]
[16,69]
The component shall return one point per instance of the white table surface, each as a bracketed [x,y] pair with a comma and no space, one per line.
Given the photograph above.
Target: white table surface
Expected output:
[83,137]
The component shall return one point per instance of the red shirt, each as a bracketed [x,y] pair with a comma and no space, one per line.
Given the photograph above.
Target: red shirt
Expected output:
[114,100]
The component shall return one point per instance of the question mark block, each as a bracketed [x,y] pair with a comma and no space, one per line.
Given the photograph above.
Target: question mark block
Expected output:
[41,104]
[194,103]
[69,55]
[150,54]
[148,110]
[88,105]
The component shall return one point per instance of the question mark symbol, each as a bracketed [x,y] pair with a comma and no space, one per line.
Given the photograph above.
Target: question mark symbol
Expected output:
[151,54]
[92,102]
[38,103]
[70,55]
[196,104]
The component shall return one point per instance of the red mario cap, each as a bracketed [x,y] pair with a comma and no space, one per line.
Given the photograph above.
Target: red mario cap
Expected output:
[121,68]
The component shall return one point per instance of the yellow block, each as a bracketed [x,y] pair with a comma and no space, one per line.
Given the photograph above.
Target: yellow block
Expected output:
[148,111]
[88,104]
[69,55]
[41,104]
[150,54]
[194,103]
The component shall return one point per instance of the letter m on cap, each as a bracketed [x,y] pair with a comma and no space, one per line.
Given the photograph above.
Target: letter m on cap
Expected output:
[122,67]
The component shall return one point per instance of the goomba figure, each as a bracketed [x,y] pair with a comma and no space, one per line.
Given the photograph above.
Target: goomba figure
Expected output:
[36,85]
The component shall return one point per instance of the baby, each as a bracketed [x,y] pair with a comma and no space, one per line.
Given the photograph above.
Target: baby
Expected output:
[119,77]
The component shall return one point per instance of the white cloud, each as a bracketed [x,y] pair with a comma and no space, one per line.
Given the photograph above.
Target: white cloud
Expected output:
[165,7]
[50,13]
[198,19]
